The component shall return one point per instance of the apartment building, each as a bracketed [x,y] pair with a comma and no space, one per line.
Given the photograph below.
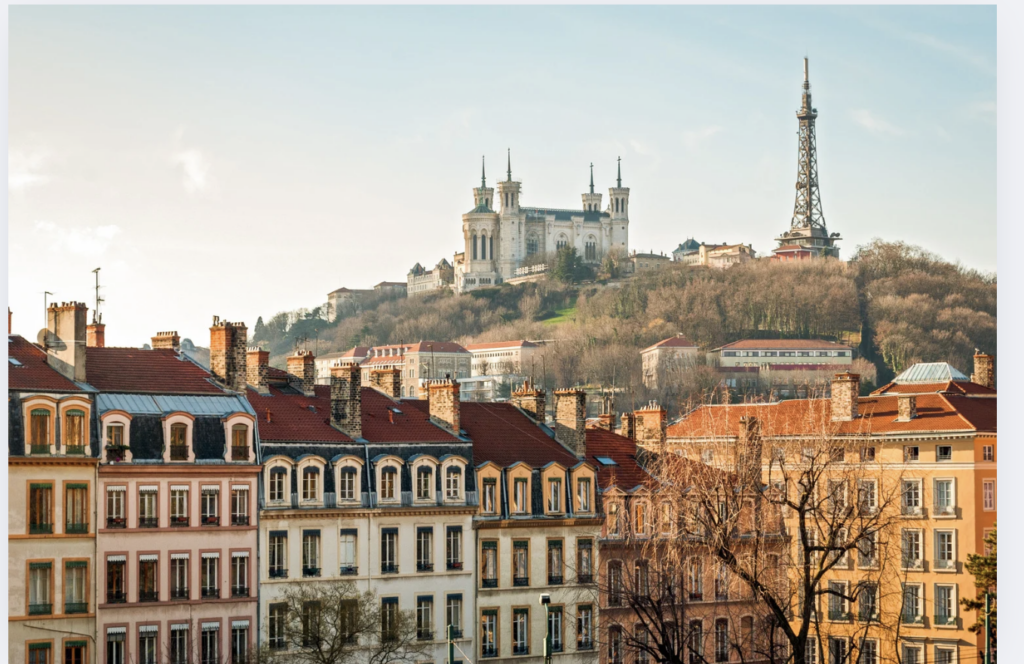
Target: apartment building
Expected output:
[664,362]
[419,362]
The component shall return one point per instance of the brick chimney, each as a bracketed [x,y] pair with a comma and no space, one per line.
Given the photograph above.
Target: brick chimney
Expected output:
[302,371]
[907,404]
[984,370]
[65,343]
[627,426]
[445,407]
[228,354]
[257,361]
[605,421]
[388,381]
[531,400]
[651,425]
[748,452]
[571,420]
[95,335]
[346,400]
[845,390]
[169,340]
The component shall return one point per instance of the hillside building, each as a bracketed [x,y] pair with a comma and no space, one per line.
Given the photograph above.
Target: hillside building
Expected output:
[666,359]
[422,281]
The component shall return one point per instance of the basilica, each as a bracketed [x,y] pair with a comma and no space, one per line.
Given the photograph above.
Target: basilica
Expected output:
[503,239]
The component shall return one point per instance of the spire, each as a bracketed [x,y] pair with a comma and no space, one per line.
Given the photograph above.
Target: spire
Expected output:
[591,177]
[483,173]
[620,172]
[510,164]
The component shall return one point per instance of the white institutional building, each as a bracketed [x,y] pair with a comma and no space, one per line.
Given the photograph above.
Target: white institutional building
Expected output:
[500,235]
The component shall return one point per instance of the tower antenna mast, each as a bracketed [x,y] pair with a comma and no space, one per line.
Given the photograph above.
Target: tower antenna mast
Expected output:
[96,316]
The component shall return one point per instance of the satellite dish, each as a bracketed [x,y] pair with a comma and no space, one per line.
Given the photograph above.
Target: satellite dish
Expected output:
[48,339]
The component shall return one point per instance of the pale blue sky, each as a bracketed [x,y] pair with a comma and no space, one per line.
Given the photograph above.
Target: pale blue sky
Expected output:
[241,161]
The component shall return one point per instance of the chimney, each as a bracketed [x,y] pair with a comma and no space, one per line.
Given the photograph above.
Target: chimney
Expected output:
[95,335]
[532,401]
[651,423]
[65,345]
[605,420]
[445,405]
[748,452]
[845,390]
[984,370]
[302,365]
[627,427]
[388,381]
[907,407]
[346,400]
[228,354]
[169,340]
[571,420]
[257,361]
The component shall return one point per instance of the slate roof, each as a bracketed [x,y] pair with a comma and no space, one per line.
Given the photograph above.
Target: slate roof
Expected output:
[784,344]
[966,388]
[672,342]
[32,371]
[159,371]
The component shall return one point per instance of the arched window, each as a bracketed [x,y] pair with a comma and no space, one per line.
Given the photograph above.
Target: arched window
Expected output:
[531,245]
[561,242]
[490,248]
[240,442]
[483,247]
[590,249]
[722,640]
[179,443]
[474,246]
[616,205]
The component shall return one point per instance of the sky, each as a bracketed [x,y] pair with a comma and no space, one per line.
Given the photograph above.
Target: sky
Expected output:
[241,161]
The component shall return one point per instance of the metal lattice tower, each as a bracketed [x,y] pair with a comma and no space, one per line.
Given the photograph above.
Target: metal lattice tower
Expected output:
[807,208]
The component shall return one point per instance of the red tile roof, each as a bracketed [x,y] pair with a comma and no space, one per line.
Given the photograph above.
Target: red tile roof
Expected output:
[383,359]
[937,413]
[438,347]
[792,247]
[672,342]
[784,344]
[33,373]
[627,473]
[298,418]
[501,344]
[953,387]
[152,371]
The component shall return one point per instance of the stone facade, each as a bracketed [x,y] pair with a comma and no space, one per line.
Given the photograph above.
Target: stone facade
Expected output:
[845,388]
[651,421]
[531,400]
[65,324]
[388,381]
[96,335]
[571,419]
[984,370]
[302,365]
[166,340]
[256,365]
[228,353]
[907,405]
[444,405]
[345,401]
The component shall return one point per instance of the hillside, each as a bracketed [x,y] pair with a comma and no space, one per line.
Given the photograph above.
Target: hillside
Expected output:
[897,303]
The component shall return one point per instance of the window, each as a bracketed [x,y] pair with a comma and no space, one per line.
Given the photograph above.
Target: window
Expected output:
[389,551]
[520,562]
[210,643]
[912,654]
[583,494]
[520,632]
[239,641]
[837,650]
[696,642]
[640,512]
[988,492]
[836,495]
[239,442]
[425,617]
[721,640]
[838,606]
[276,625]
[867,550]
[554,495]
[913,603]
[943,452]
[811,650]
[945,550]
[453,483]
[520,495]
[210,505]
[277,484]
[911,453]
[115,579]
[867,602]
[489,563]
[695,579]
[179,443]
[911,497]
[148,590]
[147,644]
[584,561]
[40,508]
[722,583]
[115,645]
[277,554]
[40,653]
[310,484]
[912,554]
[116,444]
[988,453]
[179,576]
[424,549]
[76,574]
[867,454]
[868,652]
[945,499]
[74,652]
[453,614]
[310,619]
[179,505]
[115,507]
[347,484]
[474,235]
[945,654]
[40,582]
[423,483]
[554,562]
[666,519]
[310,553]
[210,573]
[867,496]
[614,525]
[453,547]
[388,479]
[585,627]
[148,516]
[945,604]
[347,554]
[74,432]
[240,574]
[615,583]
[39,429]
[489,502]
[615,645]
[555,627]
[489,633]
[240,505]
[707,456]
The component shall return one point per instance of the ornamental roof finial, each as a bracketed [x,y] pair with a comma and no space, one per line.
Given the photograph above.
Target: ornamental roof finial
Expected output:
[620,173]
[591,177]
[510,164]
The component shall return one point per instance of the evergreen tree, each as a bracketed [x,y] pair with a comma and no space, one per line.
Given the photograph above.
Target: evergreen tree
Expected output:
[567,265]
[260,331]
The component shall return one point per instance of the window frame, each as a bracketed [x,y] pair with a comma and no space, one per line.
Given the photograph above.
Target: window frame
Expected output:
[171,421]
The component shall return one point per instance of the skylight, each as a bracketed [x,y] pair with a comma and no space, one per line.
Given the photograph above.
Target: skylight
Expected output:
[14,361]
[606,461]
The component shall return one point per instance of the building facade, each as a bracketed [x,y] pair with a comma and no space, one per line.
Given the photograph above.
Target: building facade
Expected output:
[666,359]
[422,281]
[324,363]
[419,362]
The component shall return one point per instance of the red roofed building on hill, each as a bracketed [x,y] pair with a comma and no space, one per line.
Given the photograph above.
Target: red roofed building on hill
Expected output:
[419,362]
[663,361]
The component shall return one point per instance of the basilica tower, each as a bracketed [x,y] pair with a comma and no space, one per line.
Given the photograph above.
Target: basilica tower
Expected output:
[510,225]
[618,207]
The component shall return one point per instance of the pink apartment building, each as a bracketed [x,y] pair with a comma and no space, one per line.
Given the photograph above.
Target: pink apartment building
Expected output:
[177,481]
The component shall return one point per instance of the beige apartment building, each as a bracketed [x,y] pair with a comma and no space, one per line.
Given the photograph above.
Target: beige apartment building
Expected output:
[419,362]
[665,359]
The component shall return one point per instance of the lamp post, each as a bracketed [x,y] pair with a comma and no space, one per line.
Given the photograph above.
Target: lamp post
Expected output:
[545,601]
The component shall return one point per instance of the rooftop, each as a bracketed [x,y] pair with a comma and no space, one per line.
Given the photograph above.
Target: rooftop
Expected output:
[501,344]
[27,369]
[784,344]
[159,371]
[930,372]
[677,341]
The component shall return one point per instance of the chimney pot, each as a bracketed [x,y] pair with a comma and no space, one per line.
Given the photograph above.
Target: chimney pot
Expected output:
[984,370]
[571,420]
[257,362]
[845,391]
[228,354]
[302,366]
[169,340]
[532,401]
[388,381]
[346,400]
[907,407]
[445,405]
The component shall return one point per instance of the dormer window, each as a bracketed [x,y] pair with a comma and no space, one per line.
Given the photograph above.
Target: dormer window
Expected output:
[74,431]
[388,482]
[310,483]
[278,480]
[179,444]
[116,441]
[490,491]
[347,484]
[453,483]
[424,482]
[39,430]
[554,495]
[520,495]
[239,442]
[583,493]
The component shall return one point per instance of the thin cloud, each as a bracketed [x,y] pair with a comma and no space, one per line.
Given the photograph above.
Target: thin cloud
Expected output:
[193,164]
[80,241]
[692,139]
[874,124]
[25,169]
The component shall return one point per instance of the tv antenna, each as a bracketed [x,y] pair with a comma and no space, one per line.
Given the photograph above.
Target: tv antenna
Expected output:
[96,316]
[46,306]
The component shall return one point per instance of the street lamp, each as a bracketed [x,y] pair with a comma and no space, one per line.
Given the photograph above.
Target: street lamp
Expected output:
[545,601]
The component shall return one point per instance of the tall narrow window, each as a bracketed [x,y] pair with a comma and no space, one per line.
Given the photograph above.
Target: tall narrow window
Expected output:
[347,553]
[239,641]
[76,574]
[310,484]
[695,579]
[585,627]
[116,445]
[179,443]
[489,563]
[912,549]
[210,505]
[388,483]
[179,576]
[148,575]
[453,547]
[40,508]
[554,495]
[615,583]
[147,644]
[424,484]
[615,645]
[240,505]
[911,497]
[555,627]
[389,619]
[913,604]
[520,495]
[277,552]
[988,495]
[555,562]
[696,641]
[474,247]
[115,507]
[453,614]
[520,562]
[425,617]
[179,505]
[310,553]
[148,517]
[721,640]
[115,645]
[425,549]
[209,645]
[39,423]
[239,442]
[40,582]
[76,508]
[584,561]
[276,621]
[389,551]
[240,574]
[945,550]
[74,652]
[489,633]
[945,503]
[837,601]
[453,483]
[74,432]
[490,247]
[278,478]
[210,575]
[520,631]
[115,579]
[489,496]
[945,604]
[583,494]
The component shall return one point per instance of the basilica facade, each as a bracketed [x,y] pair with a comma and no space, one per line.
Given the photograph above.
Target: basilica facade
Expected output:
[502,238]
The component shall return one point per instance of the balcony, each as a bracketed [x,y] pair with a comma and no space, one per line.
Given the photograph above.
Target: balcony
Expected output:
[424,567]
[278,573]
[721,595]
[946,565]
[348,570]
[40,609]
[584,578]
[179,593]
[40,449]
[149,596]
[554,579]
[211,593]
[488,583]
[76,528]
[945,620]
[521,581]
[210,520]
[40,528]
[520,649]
[239,519]
[696,597]
[424,634]
[239,591]
[456,633]
[585,644]
[388,568]
[116,597]
[454,565]
[838,615]
[74,450]
[488,650]
[179,522]
[76,607]
[944,510]
[912,619]
[148,522]
[116,522]
[308,572]
[239,452]
[179,452]
[912,510]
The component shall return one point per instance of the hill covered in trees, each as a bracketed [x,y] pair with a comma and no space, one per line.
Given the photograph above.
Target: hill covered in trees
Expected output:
[896,303]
